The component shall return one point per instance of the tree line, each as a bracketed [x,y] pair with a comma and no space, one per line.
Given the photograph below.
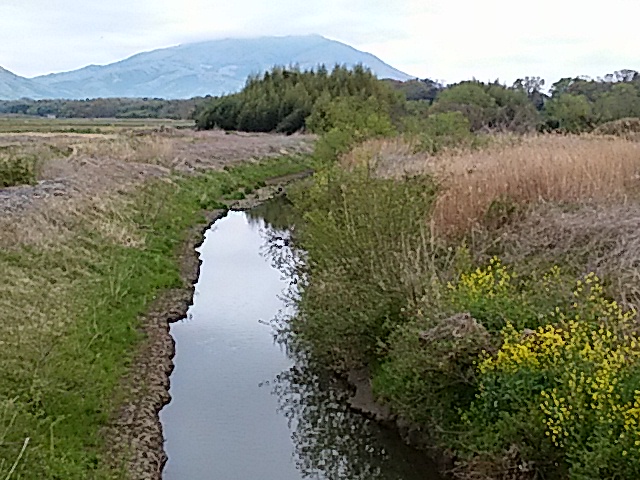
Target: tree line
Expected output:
[103,108]
[283,100]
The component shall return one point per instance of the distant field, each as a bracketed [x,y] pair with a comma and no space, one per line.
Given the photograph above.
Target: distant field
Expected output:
[22,124]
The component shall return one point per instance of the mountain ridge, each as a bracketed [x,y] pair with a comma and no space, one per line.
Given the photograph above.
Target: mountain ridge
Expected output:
[209,67]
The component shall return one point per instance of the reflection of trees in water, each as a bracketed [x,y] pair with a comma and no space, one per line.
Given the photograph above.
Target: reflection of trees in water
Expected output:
[277,213]
[276,227]
[333,442]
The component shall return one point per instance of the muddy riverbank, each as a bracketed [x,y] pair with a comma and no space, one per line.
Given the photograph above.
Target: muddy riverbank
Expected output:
[136,433]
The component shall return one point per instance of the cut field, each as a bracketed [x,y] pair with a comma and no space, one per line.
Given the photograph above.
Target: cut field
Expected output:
[30,124]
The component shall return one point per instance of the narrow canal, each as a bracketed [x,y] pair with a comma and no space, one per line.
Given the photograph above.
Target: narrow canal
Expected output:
[241,409]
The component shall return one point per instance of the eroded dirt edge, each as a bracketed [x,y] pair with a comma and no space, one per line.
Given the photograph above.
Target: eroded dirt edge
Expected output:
[135,442]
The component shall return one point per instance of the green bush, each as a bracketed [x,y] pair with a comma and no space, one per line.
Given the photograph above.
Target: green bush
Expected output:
[496,295]
[429,371]
[440,131]
[346,121]
[18,169]
[628,128]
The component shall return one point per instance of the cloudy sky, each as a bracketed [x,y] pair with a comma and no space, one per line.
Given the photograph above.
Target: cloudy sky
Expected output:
[448,40]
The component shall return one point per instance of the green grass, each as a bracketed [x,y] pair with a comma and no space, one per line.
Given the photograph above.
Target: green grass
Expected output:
[72,323]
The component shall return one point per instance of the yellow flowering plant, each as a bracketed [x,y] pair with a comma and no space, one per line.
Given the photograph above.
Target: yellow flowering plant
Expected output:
[494,294]
[578,379]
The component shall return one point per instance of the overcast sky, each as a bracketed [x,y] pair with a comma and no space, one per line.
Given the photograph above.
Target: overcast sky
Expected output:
[449,40]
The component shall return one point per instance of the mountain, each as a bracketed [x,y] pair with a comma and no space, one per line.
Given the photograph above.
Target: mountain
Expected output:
[206,68]
[13,86]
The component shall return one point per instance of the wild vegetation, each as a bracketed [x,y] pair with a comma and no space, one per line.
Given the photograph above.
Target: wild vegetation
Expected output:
[484,273]
[487,281]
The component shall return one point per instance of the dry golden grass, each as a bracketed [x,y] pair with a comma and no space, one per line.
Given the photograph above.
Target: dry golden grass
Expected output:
[548,168]
[152,149]
[572,170]
[388,157]
[50,227]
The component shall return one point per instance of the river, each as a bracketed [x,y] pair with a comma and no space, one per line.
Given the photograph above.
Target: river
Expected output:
[241,409]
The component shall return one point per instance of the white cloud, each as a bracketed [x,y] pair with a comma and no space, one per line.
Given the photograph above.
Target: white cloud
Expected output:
[443,39]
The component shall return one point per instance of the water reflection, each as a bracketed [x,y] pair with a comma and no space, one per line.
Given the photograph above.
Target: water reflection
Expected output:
[333,442]
[276,214]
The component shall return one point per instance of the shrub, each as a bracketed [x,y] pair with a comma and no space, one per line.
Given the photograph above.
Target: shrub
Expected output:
[429,371]
[346,121]
[628,128]
[358,232]
[496,295]
[441,131]
[18,169]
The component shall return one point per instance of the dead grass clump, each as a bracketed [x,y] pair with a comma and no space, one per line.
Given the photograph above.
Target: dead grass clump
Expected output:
[387,157]
[399,157]
[540,169]
[152,149]
[604,239]
[628,128]
[63,218]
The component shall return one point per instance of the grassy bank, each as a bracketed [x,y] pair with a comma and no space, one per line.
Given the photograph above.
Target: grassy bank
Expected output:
[492,295]
[76,278]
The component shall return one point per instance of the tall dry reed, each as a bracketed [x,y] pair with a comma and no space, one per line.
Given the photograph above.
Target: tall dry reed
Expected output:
[547,168]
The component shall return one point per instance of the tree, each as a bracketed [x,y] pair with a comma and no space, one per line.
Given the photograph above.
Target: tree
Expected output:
[282,99]
[533,88]
[492,106]
[570,113]
[470,99]
[622,101]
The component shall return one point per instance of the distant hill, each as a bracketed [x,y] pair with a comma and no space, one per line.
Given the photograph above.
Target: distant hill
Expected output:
[13,86]
[196,69]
